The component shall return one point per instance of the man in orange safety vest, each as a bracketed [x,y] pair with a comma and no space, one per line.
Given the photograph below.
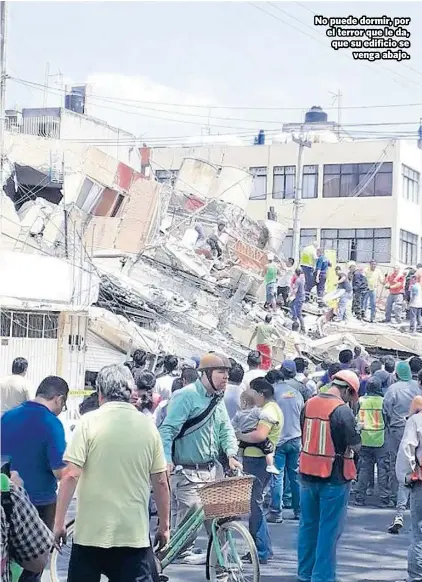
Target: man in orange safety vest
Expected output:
[329,437]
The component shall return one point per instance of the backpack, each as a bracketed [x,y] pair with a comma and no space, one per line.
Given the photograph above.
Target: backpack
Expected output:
[7,505]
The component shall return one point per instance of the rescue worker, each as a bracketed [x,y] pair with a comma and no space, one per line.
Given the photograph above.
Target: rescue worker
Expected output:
[374,450]
[307,263]
[360,288]
[409,474]
[329,437]
[270,279]
[196,430]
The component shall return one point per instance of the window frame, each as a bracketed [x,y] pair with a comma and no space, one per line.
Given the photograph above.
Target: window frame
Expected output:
[259,172]
[408,241]
[410,181]
[13,320]
[356,174]
[332,237]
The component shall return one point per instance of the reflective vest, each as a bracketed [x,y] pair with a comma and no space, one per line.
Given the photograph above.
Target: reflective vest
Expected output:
[307,256]
[318,452]
[370,416]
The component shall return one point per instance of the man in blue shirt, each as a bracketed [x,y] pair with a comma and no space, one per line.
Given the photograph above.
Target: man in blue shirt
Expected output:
[321,270]
[33,437]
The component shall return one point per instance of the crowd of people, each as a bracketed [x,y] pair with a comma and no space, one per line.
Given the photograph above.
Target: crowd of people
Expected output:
[358,288]
[148,440]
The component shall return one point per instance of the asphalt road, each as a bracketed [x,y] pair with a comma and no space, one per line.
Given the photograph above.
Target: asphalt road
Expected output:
[366,553]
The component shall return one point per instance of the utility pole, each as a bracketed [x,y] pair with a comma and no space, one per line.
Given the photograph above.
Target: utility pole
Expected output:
[338,98]
[3,22]
[47,75]
[297,202]
[66,220]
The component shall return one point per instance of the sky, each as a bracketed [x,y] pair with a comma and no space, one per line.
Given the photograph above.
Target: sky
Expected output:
[160,55]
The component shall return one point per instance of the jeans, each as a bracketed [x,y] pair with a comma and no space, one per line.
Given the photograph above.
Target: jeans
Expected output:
[87,563]
[415,317]
[342,306]
[257,523]
[286,457]
[309,279]
[47,514]
[370,297]
[323,512]
[394,307]
[320,286]
[368,457]
[296,309]
[414,553]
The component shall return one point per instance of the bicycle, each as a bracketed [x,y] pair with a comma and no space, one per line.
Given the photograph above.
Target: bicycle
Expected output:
[222,503]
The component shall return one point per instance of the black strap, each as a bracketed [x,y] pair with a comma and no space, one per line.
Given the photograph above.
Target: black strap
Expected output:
[191,422]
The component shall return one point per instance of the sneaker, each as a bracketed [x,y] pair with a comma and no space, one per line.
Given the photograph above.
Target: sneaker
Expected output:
[274,518]
[396,526]
[387,503]
[359,502]
[196,559]
[273,470]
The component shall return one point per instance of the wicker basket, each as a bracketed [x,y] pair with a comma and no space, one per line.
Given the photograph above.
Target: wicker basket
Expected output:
[229,497]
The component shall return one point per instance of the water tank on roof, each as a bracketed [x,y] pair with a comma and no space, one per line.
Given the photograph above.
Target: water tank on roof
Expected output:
[75,99]
[316,115]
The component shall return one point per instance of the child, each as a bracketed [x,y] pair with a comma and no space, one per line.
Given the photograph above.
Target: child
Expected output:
[246,420]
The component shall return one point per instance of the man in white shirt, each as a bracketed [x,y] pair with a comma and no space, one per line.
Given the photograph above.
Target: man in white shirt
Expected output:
[15,389]
[283,285]
[164,384]
[234,388]
[254,362]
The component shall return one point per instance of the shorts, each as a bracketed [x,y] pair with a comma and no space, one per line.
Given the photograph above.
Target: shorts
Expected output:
[271,292]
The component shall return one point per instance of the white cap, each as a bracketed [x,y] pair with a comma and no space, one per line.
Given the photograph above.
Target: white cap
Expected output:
[270,256]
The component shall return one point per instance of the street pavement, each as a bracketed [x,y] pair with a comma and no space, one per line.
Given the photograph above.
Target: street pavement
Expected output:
[366,553]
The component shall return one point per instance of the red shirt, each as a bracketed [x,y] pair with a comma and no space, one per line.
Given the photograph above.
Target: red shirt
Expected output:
[396,279]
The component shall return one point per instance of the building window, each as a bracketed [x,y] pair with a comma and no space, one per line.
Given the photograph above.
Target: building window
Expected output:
[284,182]
[166,176]
[410,184]
[284,178]
[408,247]
[345,180]
[259,186]
[307,236]
[360,244]
[310,182]
[24,324]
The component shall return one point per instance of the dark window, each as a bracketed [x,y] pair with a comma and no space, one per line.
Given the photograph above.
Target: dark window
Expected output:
[166,176]
[361,245]
[6,321]
[307,236]
[19,324]
[346,180]
[410,184]
[259,186]
[51,324]
[34,325]
[408,247]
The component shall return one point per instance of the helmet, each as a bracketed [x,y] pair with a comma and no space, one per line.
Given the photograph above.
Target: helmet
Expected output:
[351,264]
[347,378]
[214,361]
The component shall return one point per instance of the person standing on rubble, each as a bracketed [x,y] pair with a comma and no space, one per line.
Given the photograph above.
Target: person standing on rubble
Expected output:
[264,332]
[285,280]
[345,286]
[307,263]
[298,294]
[415,304]
[396,406]
[321,271]
[395,282]
[270,279]
[375,279]
[195,432]
[360,288]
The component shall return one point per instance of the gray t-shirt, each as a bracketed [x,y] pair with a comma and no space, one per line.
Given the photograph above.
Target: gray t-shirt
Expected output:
[397,401]
[291,403]
[246,420]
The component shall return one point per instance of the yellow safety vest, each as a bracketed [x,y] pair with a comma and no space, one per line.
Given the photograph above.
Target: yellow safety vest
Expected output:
[370,416]
[307,256]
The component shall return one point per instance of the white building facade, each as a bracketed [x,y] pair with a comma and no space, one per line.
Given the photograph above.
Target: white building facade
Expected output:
[360,198]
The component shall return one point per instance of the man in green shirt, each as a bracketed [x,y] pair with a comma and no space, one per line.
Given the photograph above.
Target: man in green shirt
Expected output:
[265,333]
[270,426]
[195,432]
[270,279]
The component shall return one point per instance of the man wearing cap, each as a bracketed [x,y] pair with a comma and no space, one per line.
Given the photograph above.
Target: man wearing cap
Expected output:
[270,279]
[196,430]
[396,406]
[329,438]
[288,374]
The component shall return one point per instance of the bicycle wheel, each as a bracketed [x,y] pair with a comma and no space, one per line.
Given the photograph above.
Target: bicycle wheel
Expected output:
[59,561]
[240,556]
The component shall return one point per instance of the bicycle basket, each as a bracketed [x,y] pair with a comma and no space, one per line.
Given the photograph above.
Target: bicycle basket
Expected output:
[229,497]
